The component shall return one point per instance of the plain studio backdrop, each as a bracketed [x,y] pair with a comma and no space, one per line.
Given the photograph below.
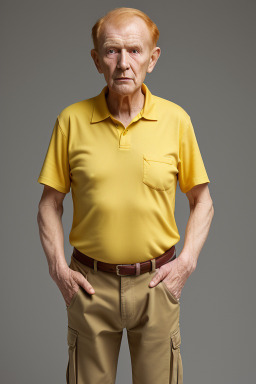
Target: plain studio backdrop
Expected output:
[207,66]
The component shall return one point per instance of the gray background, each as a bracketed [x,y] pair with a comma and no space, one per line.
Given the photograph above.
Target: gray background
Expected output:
[207,66]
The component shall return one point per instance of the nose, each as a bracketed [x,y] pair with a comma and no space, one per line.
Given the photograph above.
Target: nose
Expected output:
[123,60]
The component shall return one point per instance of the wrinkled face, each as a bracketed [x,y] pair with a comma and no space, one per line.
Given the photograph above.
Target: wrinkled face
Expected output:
[125,55]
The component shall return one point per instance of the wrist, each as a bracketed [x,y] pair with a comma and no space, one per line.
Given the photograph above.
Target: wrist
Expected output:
[56,270]
[188,262]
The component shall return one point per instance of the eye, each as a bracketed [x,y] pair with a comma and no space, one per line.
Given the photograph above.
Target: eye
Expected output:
[135,50]
[111,50]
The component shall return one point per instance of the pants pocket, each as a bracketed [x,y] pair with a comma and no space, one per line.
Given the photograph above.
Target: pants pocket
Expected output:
[73,298]
[177,301]
[176,367]
[71,372]
[75,265]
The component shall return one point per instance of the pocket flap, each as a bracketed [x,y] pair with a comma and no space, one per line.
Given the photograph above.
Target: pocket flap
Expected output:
[159,158]
[176,339]
[72,336]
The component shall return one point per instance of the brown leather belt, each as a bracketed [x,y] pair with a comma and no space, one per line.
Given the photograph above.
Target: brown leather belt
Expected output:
[126,269]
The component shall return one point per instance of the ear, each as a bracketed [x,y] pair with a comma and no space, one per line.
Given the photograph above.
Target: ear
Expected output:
[155,54]
[95,56]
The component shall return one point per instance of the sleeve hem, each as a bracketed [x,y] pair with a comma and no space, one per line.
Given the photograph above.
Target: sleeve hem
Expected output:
[46,181]
[195,182]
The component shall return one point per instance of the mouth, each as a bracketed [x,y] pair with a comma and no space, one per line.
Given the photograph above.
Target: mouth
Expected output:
[123,78]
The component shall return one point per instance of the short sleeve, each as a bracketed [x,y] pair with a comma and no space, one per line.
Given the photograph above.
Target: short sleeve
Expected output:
[190,166]
[55,171]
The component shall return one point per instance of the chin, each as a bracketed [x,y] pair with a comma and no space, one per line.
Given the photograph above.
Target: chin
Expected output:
[122,88]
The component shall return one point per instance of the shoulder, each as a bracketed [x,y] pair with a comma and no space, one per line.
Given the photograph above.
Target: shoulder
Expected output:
[73,112]
[171,109]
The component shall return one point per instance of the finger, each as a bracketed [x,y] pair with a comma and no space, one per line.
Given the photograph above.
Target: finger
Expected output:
[156,279]
[81,280]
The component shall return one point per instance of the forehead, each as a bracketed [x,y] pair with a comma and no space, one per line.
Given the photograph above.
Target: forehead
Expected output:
[125,32]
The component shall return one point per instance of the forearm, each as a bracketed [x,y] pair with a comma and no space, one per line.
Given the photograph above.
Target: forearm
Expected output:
[197,230]
[51,232]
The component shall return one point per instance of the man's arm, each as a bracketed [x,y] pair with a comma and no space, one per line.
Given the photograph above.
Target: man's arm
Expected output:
[49,218]
[198,225]
[177,272]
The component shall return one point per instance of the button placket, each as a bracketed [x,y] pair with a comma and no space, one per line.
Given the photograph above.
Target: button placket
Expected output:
[124,139]
[124,135]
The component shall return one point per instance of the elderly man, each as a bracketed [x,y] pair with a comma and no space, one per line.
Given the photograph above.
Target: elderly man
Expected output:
[122,152]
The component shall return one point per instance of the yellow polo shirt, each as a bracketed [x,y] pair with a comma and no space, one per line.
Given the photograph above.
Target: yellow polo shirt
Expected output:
[123,180]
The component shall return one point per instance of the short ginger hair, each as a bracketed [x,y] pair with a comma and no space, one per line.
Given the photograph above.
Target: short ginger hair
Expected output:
[119,15]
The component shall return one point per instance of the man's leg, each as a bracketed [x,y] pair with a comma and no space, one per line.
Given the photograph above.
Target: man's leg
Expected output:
[153,332]
[94,329]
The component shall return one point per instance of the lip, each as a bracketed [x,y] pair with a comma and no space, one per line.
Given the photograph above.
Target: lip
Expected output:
[123,78]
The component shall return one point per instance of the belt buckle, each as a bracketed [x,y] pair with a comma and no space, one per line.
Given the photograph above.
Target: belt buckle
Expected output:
[117,270]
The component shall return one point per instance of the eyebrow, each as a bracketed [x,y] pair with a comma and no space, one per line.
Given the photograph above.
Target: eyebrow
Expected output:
[136,45]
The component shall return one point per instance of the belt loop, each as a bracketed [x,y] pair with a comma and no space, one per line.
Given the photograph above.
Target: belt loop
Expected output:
[153,265]
[137,269]
[95,265]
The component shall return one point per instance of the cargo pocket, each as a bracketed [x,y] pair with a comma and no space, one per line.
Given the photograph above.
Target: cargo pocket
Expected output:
[176,367]
[71,372]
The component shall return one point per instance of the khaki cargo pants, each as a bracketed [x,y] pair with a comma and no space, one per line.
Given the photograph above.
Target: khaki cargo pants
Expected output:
[96,323]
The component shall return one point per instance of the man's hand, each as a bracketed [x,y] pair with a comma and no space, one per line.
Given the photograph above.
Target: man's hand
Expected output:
[69,282]
[175,274]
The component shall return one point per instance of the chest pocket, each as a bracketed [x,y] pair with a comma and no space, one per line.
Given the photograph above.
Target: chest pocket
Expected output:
[159,172]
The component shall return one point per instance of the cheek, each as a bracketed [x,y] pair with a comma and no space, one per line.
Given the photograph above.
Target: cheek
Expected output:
[140,65]
[110,61]
[106,64]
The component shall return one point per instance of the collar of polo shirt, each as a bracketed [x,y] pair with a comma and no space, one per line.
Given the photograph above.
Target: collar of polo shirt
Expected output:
[101,112]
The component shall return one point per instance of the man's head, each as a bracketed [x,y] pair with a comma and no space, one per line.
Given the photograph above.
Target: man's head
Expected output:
[125,47]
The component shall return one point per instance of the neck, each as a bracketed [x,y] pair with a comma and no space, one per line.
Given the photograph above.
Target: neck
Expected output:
[125,105]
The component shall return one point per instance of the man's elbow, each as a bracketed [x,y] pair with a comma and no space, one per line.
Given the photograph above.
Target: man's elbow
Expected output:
[210,210]
[49,207]
[211,207]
